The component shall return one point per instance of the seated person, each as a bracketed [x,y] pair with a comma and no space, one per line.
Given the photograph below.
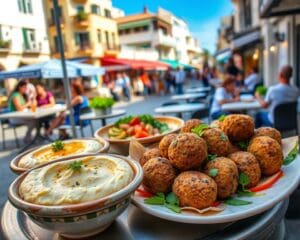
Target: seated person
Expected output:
[44,99]
[252,80]
[78,102]
[279,93]
[17,101]
[227,93]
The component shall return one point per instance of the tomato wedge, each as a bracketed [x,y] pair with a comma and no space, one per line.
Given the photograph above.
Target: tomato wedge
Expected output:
[144,193]
[216,204]
[268,182]
[141,134]
[134,121]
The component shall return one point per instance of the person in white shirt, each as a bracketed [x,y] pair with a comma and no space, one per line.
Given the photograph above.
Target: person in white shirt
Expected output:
[179,80]
[279,93]
[252,80]
[227,93]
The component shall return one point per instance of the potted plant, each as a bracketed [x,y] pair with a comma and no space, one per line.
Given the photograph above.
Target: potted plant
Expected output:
[102,105]
[261,90]
[81,16]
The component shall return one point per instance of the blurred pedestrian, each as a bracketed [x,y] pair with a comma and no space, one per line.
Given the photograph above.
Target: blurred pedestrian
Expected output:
[126,86]
[179,80]
[169,79]
[146,81]
[252,79]
[231,68]
[279,93]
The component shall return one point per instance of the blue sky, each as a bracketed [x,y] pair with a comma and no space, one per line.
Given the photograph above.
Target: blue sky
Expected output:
[202,16]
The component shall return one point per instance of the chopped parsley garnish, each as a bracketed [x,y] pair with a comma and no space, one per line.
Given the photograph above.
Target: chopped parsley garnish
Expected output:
[76,166]
[170,201]
[243,182]
[292,155]
[57,146]
[243,145]
[211,157]
[199,130]
[213,172]
[223,137]
[236,202]
[221,118]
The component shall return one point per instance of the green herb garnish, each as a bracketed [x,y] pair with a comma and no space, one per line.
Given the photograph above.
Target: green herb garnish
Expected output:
[243,145]
[57,146]
[223,137]
[292,155]
[243,180]
[211,157]
[236,202]
[101,102]
[221,118]
[213,172]
[245,193]
[76,166]
[199,130]
[170,201]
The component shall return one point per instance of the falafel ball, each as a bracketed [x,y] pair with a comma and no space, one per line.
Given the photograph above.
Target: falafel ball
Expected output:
[238,127]
[165,143]
[247,164]
[187,151]
[189,125]
[159,175]
[195,189]
[233,148]
[268,153]
[217,141]
[268,131]
[151,153]
[226,177]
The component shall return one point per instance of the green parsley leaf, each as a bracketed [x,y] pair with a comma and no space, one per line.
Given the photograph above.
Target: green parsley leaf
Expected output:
[223,137]
[174,208]
[199,130]
[243,145]
[57,146]
[155,200]
[236,202]
[245,193]
[213,172]
[76,166]
[243,180]
[221,118]
[172,199]
[211,157]
[292,155]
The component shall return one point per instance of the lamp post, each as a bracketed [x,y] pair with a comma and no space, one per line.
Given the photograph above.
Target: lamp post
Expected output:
[63,64]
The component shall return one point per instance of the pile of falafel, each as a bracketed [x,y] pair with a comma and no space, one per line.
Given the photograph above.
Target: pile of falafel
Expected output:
[182,162]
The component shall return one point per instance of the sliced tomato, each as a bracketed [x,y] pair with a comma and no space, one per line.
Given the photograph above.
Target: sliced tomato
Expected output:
[144,193]
[268,182]
[141,134]
[137,128]
[134,121]
[216,204]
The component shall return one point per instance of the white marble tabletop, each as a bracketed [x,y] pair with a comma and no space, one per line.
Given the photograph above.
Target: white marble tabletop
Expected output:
[241,106]
[188,96]
[188,107]
[198,89]
[93,116]
[39,113]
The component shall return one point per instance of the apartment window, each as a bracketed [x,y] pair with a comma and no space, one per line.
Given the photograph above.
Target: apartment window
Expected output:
[80,8]
[121,32]
[137,29]
[127,31]
[247,13]
[1,36]
[99,36]
[95,9]
[146,28]
[107,13]
[107,40]
[25,6]
[29,38]
[82,40]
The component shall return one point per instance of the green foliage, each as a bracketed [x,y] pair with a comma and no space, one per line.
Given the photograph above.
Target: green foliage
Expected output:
[4,44]
[261,90]
[101,102]
[81,16]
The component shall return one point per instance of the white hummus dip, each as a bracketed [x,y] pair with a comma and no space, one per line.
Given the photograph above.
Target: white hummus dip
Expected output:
[60,184]
[71,148]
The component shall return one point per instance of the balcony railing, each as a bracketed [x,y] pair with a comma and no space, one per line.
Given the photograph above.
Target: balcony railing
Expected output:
[5,45]
[32,48]
[81,19]
[164,39]
[111,47]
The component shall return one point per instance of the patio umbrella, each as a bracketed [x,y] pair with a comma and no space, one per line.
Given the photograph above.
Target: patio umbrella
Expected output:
[175,64]
[53,69]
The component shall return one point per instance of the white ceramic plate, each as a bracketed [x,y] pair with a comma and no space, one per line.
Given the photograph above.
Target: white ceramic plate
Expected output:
[265,200]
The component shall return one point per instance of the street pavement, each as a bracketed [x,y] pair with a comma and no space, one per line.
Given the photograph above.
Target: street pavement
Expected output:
[139,105]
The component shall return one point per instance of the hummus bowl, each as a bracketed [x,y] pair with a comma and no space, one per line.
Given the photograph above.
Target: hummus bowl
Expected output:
[43,154]
[121,146]
[77,196]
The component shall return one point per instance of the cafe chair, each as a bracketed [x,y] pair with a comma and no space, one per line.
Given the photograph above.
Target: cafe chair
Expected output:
[86,122]
[285,117]
[201,114]
[169,104]
[6,125]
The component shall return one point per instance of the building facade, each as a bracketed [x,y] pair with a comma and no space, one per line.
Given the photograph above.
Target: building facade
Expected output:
[23,34]
[88,28]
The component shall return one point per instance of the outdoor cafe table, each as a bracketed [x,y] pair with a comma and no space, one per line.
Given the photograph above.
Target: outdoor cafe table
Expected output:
[180,108]
[188,96]
[38,115]
[93,116]
[243,106]
[198,89]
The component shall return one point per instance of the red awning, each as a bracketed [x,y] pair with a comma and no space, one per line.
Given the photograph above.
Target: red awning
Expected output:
[134,64]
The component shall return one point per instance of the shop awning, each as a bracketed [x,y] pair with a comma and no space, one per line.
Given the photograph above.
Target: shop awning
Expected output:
[248,38]
[175,64]
[271,8]
[134,63]
[223,55]
[142,23]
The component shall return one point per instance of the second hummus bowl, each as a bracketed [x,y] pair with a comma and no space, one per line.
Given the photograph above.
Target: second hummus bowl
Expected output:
[67,182]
